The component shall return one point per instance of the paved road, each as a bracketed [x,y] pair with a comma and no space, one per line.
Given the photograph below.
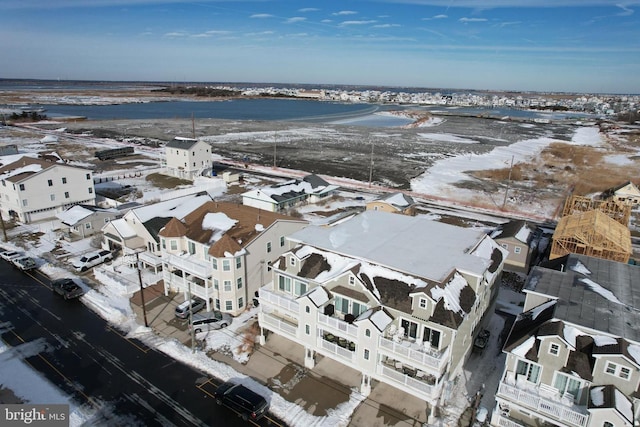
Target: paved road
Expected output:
[130,384]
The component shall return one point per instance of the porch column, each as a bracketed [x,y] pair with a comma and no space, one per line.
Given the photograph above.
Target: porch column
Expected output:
[261,338]
[431,419]
[309,358]
[365,385]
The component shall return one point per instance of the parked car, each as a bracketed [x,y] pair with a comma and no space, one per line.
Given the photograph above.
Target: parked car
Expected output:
[66,288]
[210,320]
[182,311]
[246,403]
[91,259]
[24,263]
[10,255]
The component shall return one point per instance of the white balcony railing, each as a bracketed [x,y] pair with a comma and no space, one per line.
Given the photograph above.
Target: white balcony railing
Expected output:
[500,420]
[545,407]
[401,380]
[190,264]
[278,325]
[336,350]
[415,354]
[182,284]
[340,327]
[279,300]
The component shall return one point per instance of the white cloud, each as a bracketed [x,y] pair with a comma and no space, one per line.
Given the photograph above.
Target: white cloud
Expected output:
[344,12]
[364,22]
[261,15]
[176,34]
[441,16]
[261,33]
[386,25]
[308,9]
[296,19]
[625,10]
[472,19]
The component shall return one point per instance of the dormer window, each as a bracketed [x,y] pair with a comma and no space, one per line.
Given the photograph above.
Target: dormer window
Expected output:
[422,302]
[352,280]
[293,261]
[554,349]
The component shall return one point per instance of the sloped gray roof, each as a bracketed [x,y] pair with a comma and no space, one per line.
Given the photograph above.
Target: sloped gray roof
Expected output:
[182,143]
[592,292]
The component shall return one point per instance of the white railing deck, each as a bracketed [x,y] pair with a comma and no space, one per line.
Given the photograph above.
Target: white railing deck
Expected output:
[190,264]
[547,407]
[336,350]
[277,299]
[339,326]
[402,380]
[502,421]
[280,325]
[413,353]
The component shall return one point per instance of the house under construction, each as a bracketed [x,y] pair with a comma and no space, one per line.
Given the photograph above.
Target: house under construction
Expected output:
[591,233]
[617,211]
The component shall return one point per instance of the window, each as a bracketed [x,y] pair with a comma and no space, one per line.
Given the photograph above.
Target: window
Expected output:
[366,354]
[367,332]
[625,373]
[88,176]
[66,194]
[239,282]
[64,180]
[307,309]
[238,262]
[214,263]
[24,202]
[504,245]
[292,261]
[284,284]
[307,329]
[611,368]
[432,336]
[228,305]
[240,302]
[554,349]
[281,241]
[410,328]
[566,384]
[87,226]
[299,288]
[90,190]
[529,370]
[268,247]
[106,220]
[217,304]
[352,280]
[607,424]
[162,241]
[50,182]
[227,285]
[346,306]
[192,247]
[174,245]
[52,197]
[422,303]
[21,187]
[216,284]
[226,265]
[517,249]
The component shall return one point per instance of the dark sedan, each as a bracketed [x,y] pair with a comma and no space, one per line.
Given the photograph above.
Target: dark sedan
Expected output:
[67,288]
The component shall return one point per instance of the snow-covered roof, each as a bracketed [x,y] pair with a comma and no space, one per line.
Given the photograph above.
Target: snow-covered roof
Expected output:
[292,189]
[77,213]
[172,208]
[398,200]
[317,295]
[413,245]
[377,316]
[123,228]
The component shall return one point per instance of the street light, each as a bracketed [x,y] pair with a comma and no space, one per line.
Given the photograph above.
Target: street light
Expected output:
[144,309]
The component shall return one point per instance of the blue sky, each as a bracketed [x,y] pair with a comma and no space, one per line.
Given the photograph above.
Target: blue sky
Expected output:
[538,45]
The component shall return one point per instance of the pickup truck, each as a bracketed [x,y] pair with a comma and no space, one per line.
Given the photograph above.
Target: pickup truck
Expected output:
[24,263]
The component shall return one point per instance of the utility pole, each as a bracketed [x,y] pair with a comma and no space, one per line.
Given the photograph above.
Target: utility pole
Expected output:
[193,333]
[504,203]
[371,166]
[193,126]
[144,309]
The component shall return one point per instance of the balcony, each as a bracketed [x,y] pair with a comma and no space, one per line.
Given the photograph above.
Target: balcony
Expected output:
[415,354]
[190,264]
[339,327]
[338,352]
[279,300]
[182,284]
[572,415]
[416,386]
[497,419]
[278,325]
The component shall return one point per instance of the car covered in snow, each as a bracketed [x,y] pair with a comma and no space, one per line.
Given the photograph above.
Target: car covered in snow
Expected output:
[24,263]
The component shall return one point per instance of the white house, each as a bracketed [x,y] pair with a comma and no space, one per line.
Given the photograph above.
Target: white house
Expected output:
[221,251]
[138,229]
[573,355]
[85,220]
[33,189]
[280,197]
[626,193]
[398,298]
[187,158]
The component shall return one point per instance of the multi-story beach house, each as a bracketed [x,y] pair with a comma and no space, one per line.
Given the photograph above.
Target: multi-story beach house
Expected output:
[398,298]
[33,189]
[187,158]
[573,355]
[220,252]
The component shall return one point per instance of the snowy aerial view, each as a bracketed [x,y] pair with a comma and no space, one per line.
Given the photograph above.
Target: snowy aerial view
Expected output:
[400,213]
